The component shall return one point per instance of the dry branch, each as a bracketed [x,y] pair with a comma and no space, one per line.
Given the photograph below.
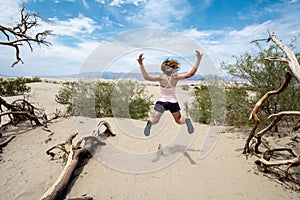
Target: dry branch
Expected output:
[295,72]
[283,113]
[290,163]
[294,68]
[278,117]
[22,33]
[290,56]
[56,190]
[254,116]
[75,153]
[19,111]
[7,140]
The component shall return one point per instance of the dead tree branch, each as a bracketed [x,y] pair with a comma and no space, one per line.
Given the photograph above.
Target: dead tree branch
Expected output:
[19,111]
[278,117]
[6,141]
[290,56]
[290,163]
[254,115]
[75,153]
[295,72]
[22,33]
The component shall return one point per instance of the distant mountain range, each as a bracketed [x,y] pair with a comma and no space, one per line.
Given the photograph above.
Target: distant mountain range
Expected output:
[131,75]
[119,75]
[107,75]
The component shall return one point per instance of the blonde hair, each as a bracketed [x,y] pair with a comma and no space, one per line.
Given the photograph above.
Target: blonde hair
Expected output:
[170,66]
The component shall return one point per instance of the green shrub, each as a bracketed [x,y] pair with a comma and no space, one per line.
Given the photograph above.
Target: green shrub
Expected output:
[12,87]
[129,100]
[210,104]
[200,108]
[239,105]
[125,98]
[103,96]
[32,80]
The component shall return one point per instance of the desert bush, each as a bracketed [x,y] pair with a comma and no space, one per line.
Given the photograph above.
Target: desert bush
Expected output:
[78,98]
[32,79]
[131,100]
[12,87]
[209,105]
[125,98]
[103,96]
[200,108]
[238,105]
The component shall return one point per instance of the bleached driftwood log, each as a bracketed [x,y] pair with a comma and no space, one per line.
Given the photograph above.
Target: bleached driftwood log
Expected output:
[75,153]
[55,191]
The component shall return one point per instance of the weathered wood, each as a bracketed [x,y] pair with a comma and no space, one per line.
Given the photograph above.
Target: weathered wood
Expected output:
[74,154]
[295,72]
[56,190]
[290,56]
[7,140]
[278,117]
[14,111]
[254,115]
[290,163]
[284,113]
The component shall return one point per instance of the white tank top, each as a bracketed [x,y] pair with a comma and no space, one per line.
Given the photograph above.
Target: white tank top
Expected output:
[167,93]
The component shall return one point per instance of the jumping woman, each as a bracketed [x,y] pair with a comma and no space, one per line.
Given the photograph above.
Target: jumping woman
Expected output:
[168,100]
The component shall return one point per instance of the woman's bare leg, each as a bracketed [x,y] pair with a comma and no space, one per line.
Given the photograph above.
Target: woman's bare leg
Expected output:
[179,119]
[154,120]
[182,120]
[156,117]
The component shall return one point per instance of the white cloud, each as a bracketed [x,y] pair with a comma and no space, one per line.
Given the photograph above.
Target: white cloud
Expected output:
[74,27]
[100,1]
[58,59]
[10,12]
[161,13]
[253,31]
[121,2]
[221,45]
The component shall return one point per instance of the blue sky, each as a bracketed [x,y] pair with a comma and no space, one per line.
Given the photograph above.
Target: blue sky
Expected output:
[85,29]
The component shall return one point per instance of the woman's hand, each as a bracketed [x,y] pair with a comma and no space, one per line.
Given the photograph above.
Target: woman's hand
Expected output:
[140,59]
[199,55]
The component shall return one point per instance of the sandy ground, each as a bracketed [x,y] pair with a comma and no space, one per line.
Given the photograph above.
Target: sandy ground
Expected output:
[206,165]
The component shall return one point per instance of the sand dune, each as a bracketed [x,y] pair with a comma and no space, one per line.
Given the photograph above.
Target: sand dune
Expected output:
[130,166]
